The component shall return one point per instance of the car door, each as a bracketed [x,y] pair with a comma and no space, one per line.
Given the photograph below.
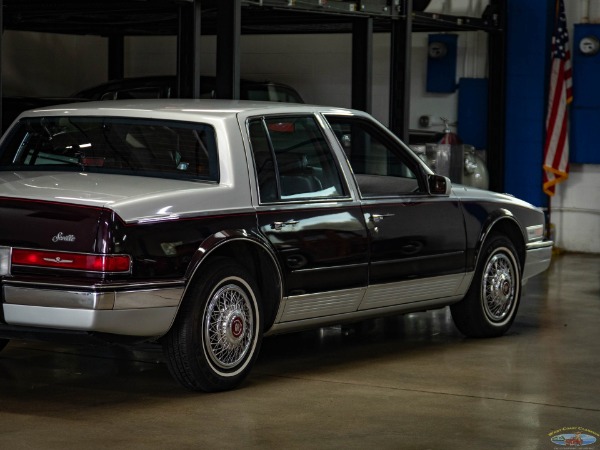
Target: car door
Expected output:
[308,215]
[417,240]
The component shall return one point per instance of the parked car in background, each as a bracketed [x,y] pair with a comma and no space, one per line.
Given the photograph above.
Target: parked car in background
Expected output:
[166,87]
[151,87]
[13,106]
[204,225]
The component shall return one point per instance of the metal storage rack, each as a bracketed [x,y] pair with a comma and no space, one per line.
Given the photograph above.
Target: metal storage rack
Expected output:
[189,19]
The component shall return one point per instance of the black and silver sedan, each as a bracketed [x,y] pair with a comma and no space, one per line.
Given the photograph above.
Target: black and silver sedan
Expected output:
[206,225]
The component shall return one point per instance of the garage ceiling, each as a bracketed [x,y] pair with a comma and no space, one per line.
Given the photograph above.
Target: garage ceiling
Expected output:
[161,17]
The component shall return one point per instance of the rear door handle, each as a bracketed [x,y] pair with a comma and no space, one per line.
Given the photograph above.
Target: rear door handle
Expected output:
[280,225]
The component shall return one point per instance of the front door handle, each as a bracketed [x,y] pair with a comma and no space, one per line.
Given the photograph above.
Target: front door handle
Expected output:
[376,218]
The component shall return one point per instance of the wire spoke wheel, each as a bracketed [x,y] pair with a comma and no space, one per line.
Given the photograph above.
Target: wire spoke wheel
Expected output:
[228,326]
[218,331]
[498,287]
[491,303]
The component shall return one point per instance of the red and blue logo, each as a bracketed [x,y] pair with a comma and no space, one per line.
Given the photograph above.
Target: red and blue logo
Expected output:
[574,437]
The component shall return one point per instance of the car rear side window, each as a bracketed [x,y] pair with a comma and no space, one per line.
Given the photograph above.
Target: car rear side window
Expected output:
[293,160]
[158,148]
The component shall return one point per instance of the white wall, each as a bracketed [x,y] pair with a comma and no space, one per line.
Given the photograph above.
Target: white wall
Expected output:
[150,55]
[575,209]
[51,65]
[319,67]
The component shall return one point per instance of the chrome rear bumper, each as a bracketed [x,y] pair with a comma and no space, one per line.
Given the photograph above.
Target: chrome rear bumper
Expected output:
[130,312]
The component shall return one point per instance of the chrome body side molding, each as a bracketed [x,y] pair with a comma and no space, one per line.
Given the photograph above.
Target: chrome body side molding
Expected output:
[301,307]
[416,290]
[297,325]
[304,311]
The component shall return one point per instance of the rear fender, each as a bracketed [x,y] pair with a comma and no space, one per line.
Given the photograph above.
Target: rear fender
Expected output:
[253,253]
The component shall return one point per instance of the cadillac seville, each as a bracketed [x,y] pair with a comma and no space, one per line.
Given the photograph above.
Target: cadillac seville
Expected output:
[205,225]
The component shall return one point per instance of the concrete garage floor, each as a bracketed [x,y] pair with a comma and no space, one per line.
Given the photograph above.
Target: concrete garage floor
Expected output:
[409,382]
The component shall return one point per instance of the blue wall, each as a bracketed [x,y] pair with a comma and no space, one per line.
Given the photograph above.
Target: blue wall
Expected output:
[441,70]
[528,58]
[473,111]
[585,109]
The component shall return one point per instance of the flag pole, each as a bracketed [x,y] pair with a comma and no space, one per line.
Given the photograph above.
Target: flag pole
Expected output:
[556,146]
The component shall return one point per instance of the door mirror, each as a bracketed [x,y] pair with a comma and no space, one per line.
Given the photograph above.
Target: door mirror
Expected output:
[439,185]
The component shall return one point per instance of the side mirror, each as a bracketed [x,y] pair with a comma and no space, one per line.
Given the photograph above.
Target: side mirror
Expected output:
[439,185]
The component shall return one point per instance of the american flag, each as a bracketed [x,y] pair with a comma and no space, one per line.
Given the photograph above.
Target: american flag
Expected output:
[556,150]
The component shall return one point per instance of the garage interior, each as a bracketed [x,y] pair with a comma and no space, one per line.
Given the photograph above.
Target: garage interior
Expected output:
[402,382]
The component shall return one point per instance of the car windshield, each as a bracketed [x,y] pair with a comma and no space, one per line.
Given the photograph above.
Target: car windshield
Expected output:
[156,148]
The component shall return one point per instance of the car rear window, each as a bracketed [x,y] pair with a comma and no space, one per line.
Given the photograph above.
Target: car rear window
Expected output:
[158,148]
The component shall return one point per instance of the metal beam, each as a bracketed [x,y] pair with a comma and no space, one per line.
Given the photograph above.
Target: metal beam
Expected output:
[400,63]
[188,50]
[1,34]
[362,64]
[497,100]
[116,57]
[229,30]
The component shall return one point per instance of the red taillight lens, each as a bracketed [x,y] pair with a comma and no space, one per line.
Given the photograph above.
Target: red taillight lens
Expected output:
[71,261]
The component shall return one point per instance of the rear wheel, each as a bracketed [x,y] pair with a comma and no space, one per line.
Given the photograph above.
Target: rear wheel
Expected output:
[3,343]
[492,301]
[218,331]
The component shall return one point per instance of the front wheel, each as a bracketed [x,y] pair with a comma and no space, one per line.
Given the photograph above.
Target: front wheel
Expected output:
[492,301]
[218,331]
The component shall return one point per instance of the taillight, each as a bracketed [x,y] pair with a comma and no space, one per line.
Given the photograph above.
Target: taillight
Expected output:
[71,261]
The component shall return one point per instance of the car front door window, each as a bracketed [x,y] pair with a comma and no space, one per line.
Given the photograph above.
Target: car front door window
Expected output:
[379,169]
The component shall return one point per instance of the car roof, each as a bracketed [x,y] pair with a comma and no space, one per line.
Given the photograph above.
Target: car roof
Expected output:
[179,108]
